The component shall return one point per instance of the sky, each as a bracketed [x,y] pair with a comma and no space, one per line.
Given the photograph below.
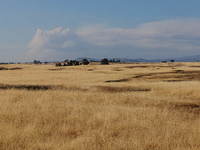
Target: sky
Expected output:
[49,30]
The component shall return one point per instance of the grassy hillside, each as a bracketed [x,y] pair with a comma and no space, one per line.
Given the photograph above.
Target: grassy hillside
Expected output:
[118,106]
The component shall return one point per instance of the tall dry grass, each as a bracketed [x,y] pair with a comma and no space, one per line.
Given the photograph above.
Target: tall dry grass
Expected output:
[94,114]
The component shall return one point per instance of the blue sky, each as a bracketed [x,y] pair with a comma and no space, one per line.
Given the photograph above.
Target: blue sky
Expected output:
[67,29]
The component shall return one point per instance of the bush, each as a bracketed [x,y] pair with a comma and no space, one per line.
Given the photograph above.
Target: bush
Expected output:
[104,61]
[35,62]
[58,64]
[73,62]
[70,63]
[76,62]
[85,61]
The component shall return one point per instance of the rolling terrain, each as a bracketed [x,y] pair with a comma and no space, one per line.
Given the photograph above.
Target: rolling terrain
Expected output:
[118,106]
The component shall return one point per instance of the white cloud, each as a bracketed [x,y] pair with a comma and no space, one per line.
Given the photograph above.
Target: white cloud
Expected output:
[51,44]
[165,38]
[163,34]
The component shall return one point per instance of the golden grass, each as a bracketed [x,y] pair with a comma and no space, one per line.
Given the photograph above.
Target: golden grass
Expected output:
[80,110]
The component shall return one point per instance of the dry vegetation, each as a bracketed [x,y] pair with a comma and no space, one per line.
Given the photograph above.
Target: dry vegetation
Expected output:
[119,106]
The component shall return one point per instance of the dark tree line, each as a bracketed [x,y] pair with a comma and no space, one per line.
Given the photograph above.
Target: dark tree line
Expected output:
[69,63]
[73,63]
[37,62]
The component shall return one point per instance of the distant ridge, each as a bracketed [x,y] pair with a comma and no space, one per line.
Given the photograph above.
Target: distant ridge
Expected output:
[194,58]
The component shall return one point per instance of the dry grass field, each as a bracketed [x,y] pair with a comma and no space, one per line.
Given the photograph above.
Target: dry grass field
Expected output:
[139,106]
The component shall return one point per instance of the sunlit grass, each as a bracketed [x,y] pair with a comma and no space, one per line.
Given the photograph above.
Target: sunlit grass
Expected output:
[90,113]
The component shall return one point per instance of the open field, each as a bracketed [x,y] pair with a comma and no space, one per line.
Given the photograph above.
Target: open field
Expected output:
[119,106]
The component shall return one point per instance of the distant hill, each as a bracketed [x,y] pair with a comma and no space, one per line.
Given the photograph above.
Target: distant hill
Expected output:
[194,58]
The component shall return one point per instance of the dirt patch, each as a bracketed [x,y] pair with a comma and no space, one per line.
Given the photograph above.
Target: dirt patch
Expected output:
[120,80]
[90,69]
[122,89]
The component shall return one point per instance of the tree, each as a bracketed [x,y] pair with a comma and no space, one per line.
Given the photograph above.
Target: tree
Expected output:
[76,62]
[104,61]
[36,62]
[73,62]
[64,64]
[70,63]
[118,60]
[58,64]
[85,61]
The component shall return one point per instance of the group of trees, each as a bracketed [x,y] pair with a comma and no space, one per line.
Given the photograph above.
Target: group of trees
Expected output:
[83,62]
[105,61]
[113,60]
[37,62]
[69,63]
[73,63]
